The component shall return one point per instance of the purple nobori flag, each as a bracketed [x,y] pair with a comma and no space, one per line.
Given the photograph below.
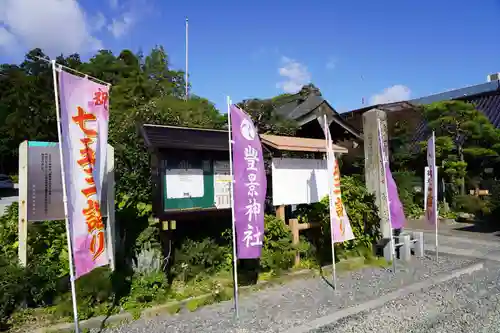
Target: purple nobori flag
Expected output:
[250,185]
[431,212]
[396,211]
[396,208]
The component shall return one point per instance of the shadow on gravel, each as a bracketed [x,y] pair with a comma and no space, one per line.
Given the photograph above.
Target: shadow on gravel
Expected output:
[323,277]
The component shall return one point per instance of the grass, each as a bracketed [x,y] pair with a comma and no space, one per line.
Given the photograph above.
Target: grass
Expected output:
[191,295]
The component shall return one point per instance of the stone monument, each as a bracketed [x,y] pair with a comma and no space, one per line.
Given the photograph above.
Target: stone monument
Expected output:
[374,173]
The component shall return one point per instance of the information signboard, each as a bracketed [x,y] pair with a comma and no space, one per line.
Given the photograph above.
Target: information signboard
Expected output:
[195,183]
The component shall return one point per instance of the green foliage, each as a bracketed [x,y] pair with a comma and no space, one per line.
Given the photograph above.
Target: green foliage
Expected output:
[92,290]
[472,204]
[411,200]
[8,232]
[463,135]
[205,257]
[363,216]
[12,286]
[149,260]
[278,253]
[145,89]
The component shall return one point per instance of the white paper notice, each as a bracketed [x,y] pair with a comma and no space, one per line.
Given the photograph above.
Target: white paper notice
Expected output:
[222,184]
[184,183]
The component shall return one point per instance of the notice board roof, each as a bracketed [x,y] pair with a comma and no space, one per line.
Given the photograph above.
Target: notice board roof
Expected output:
[291,143]
[173,137]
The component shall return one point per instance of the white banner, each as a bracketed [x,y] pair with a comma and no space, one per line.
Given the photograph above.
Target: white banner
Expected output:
[427,176]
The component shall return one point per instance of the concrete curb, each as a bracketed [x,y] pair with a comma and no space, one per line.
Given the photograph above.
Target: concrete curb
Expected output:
[101,321]
[375,303]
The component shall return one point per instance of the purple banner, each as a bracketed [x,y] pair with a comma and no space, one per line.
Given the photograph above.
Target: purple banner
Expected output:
[398,218]
[397,214]
[431,212]
[249,188]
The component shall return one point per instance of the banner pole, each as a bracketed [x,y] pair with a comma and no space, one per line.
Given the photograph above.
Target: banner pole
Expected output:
[65,201]
[235,259]
[384,167]
[330,162]
[434,194]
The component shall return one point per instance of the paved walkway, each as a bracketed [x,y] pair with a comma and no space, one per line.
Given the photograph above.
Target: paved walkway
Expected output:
[480,240]
[484,230]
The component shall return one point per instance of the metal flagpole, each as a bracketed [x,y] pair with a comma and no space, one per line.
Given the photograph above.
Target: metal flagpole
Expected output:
[65,200]
[384,167]
[330,161]
[235,259]
[434,193]
[187,63]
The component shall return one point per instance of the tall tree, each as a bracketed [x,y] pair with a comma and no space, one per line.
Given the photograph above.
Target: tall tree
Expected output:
[465,138]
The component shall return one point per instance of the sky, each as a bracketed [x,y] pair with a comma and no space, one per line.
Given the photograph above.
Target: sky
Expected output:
[353,51]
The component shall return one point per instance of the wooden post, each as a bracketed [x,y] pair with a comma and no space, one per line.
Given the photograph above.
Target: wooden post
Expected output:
[23,204]
[280,212]
[294,227]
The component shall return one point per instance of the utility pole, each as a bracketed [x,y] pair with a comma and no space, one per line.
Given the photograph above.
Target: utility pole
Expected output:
[187,61]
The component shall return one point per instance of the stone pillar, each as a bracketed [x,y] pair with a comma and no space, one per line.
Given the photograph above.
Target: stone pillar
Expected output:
[374,173]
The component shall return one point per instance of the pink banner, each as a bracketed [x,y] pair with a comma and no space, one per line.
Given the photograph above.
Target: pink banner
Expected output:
[339,221]
[84,125]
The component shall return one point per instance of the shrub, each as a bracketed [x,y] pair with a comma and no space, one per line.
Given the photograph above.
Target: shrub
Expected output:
[92,291]
[472,204]
[149,260]
[278,252]
[406,182]
[363,216]
[203,257]
[8,233]
[147,288]
[12,287]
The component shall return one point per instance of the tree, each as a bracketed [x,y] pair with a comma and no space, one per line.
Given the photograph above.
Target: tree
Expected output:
[466,140]
[267,121]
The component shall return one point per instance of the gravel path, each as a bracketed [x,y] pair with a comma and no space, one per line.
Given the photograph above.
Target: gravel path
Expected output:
[279,308]
[470,303]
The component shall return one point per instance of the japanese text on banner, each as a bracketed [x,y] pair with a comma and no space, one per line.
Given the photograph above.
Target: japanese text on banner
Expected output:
[84,125]
[250,185]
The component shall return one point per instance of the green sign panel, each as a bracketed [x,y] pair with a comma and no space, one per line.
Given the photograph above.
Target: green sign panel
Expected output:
[195,183]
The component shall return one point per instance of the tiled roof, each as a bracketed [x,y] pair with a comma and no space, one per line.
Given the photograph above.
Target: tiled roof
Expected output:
[488,104]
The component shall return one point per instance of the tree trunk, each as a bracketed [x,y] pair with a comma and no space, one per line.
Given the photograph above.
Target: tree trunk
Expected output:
[462,180]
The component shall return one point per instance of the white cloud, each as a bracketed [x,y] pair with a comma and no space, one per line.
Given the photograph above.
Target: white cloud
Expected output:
[113,4]
[122,25]
[331,63]
[392,94]
[56,26]
[295,75]
[6,38]
[99,22]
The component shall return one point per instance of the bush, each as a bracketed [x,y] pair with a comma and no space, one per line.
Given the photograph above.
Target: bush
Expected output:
[472,204]
[363,216]
[146,288]
[203,257]
[278,252]
[12,287]
[92,291]
[412,201]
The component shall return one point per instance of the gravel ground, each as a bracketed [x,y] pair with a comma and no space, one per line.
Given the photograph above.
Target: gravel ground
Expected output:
[470,303]
[279,308]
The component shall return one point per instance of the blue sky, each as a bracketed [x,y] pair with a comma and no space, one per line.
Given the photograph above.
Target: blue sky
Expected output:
[376,50]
